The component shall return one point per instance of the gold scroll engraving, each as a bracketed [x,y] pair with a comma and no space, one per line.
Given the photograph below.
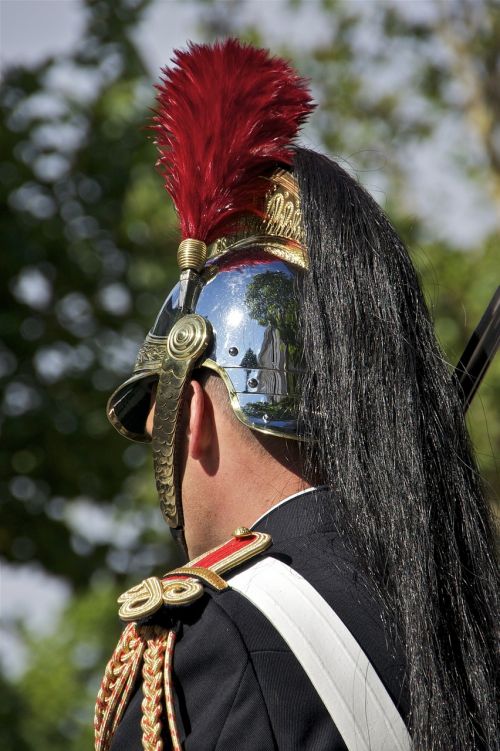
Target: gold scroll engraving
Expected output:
[151,354]
[278,231]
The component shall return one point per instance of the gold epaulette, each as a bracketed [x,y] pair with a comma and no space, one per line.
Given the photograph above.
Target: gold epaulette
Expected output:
[186,584]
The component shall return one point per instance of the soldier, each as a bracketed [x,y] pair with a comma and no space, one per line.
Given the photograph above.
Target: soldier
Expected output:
[307,433]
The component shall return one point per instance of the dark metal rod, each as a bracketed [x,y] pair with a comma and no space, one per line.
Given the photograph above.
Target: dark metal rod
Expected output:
[479,351]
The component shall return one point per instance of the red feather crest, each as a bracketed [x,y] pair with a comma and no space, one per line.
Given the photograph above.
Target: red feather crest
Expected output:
[226,114]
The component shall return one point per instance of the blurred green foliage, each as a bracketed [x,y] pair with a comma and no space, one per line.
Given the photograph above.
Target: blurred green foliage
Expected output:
[89,239]
[89,245]
[88,254]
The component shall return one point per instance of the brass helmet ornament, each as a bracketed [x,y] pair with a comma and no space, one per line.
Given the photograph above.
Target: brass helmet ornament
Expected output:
[226,118]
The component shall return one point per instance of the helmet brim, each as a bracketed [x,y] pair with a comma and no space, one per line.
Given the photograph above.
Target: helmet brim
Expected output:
[129,406]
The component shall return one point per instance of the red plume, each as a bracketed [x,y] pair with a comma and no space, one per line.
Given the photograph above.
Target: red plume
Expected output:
[226,113]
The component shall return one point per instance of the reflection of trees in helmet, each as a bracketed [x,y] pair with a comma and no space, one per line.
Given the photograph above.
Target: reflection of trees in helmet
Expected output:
[249,362]
[270,301]
[281,412]
[279,407]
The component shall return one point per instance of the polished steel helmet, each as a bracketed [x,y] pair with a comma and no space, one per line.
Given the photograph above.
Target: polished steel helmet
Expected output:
[227,115]
[236,316]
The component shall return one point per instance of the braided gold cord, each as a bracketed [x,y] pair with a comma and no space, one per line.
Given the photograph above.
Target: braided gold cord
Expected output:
[152,688]
[135,658]
[169,692]
[153,648]
[116,686]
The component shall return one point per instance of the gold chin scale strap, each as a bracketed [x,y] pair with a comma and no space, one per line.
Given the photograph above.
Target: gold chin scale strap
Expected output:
[187,341]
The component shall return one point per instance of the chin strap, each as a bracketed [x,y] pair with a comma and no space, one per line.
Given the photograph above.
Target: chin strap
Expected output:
[187,341]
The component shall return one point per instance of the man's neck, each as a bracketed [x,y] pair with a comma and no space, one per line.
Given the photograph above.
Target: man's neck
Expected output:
[239,504]
[284,501]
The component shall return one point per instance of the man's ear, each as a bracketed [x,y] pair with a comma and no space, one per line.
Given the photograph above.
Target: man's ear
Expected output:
[197,438]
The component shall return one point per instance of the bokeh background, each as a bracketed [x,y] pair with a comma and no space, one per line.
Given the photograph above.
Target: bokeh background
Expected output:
[409,102]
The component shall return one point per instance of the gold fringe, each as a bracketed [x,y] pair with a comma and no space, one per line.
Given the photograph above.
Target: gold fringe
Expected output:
[169,692]
[116,687]
[152,688]
[152,647]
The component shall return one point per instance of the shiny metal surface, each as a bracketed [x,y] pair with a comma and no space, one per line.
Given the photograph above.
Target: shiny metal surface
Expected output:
[251,304]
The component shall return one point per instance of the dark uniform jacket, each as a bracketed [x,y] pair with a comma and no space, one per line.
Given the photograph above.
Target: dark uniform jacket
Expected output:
[238,686]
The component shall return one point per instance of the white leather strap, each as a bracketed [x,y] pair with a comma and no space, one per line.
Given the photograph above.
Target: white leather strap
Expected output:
[344,678]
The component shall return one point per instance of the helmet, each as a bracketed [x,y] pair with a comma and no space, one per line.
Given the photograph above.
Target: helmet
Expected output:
[234,309]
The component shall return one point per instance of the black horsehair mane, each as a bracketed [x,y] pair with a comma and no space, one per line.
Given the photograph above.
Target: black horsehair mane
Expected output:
[387,432]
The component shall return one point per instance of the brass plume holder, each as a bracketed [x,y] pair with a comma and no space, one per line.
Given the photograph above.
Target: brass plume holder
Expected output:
[191,254]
